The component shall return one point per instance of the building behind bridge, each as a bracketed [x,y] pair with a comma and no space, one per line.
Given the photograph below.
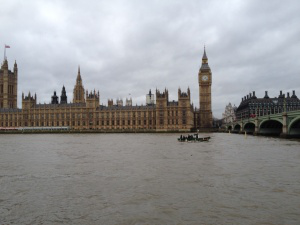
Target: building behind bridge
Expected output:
[251,106]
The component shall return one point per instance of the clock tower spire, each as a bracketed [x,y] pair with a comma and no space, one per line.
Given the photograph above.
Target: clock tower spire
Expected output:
[205,81]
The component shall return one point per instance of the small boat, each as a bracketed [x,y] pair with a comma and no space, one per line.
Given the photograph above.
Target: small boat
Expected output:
[192,138]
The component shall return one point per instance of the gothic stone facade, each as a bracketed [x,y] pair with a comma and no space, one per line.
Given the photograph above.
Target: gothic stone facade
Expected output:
[8,86]
[203,116]
[86,113]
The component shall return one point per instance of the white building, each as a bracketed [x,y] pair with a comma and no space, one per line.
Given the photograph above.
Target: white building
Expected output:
[229,115]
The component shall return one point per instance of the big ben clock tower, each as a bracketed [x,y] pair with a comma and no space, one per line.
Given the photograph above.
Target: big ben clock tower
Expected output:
[205,81]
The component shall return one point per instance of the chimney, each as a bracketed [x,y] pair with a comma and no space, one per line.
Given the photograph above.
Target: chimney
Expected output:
[288,94]
[266,94]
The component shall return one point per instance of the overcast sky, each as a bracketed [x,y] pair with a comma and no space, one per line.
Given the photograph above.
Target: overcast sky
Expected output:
[129,47]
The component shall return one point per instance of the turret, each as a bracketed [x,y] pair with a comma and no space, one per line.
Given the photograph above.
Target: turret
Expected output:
[184,97]
[15,67]
[129,102]
[8,86]
[28,101]
[54,98]
[162,98]
[110,102]
[119,102]
[63,97]
[92,99]
[4,65]
[150,98]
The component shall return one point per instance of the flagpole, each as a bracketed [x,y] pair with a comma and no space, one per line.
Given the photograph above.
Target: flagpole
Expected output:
[4,52]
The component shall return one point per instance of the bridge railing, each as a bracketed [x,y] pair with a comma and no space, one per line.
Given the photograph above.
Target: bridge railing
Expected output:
[258,112]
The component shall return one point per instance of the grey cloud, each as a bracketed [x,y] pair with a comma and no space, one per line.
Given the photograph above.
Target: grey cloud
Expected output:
[132,46]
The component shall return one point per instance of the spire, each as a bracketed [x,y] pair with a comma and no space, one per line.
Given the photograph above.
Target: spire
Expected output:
[204,66]
[78,91]
[63,97]
[78,75]
[204,54]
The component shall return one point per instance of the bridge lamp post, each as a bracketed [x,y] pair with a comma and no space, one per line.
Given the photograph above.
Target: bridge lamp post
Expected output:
[275,102]
[294,106]
[284,103]
[250,109]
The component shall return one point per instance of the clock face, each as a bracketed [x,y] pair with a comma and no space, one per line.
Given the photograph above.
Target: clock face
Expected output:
[204,78]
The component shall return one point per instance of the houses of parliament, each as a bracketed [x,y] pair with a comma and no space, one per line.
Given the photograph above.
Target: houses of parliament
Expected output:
[86,113]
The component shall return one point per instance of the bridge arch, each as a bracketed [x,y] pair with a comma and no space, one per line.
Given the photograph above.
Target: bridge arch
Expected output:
[249,127]
[270,127]
[294,127]
[229,127]
[276,119]
[237,127]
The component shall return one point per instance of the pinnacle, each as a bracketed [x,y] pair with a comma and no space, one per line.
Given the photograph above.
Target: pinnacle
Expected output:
[204,54]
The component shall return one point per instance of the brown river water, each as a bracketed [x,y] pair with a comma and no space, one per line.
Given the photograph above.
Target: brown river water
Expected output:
[148,179]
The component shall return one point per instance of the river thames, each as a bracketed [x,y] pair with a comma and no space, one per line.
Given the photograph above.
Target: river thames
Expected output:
[148,179]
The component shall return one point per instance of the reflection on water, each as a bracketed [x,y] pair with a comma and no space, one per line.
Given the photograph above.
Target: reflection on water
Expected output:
[148,179]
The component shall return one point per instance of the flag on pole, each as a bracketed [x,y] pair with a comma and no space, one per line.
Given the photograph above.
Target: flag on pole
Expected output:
[5,47]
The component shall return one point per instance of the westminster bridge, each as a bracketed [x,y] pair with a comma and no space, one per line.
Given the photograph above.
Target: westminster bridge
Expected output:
[285,124]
